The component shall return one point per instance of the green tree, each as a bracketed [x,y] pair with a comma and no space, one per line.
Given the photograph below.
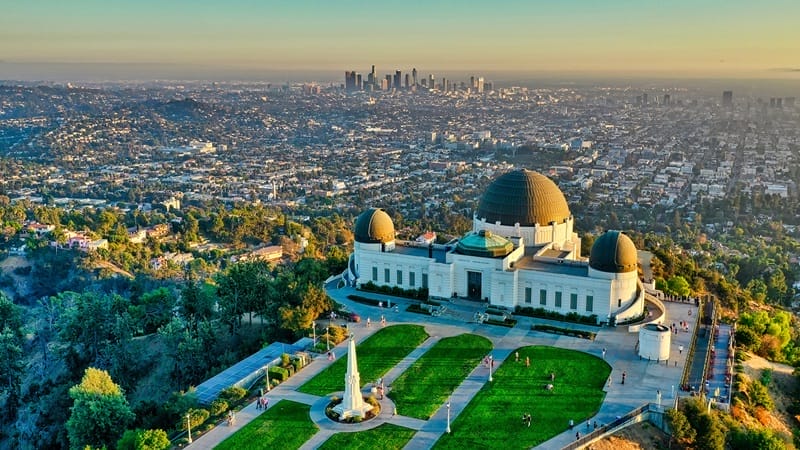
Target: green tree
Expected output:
[144,440]
[678,286]
[682,430]
[100,412]
[761,439]
[710,434]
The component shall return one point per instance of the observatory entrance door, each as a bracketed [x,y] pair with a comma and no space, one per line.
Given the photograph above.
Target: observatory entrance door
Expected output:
[474,285]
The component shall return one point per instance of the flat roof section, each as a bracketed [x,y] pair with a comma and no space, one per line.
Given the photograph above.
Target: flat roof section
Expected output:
[572,268]
[421,252]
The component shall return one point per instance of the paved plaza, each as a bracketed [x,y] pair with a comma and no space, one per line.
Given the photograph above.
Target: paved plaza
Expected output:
[643,378]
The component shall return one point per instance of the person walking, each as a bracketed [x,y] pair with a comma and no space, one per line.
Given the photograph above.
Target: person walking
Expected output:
[604,353]
[527,361]
[623,377]
[516,356]
[680,349]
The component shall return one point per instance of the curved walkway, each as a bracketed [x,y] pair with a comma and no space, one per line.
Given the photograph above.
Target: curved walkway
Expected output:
[644,379]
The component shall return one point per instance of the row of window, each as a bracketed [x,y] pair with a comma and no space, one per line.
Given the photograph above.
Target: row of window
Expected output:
[412,278]
[573,299]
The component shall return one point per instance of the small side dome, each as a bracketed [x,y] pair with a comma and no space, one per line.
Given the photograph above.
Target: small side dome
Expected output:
[374,226]
[613,252]
[484,244]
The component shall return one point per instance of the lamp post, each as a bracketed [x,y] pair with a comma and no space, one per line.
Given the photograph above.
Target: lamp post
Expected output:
[328,338]
[313,332]
[448,417]
[189,427]
[491,364]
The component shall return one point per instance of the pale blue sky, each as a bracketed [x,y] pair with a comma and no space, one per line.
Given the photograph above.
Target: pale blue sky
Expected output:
[677,36]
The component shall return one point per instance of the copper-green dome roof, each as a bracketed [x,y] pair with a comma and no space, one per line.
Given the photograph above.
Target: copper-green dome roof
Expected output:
[613,252]
[484,244]
[525,197]
[374,226]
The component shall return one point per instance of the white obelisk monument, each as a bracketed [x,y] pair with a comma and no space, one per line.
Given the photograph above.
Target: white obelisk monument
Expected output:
[353,402]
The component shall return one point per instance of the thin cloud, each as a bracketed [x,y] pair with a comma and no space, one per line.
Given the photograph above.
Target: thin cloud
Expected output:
[785,69]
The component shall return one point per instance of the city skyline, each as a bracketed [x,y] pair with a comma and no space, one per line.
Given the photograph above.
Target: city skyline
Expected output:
[716,39]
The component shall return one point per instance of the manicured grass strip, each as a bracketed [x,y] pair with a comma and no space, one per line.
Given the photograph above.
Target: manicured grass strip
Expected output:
[376,355]
[425,386]
[384,437]
[286,425]
[493,419]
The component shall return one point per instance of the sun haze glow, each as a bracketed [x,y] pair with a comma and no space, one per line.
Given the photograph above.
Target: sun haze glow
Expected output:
[680,37]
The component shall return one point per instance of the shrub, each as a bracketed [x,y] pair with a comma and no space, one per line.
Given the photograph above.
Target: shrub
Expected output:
[217,407]
[285,359]
[196,417]
[297,364]
[278,373]
[232,394]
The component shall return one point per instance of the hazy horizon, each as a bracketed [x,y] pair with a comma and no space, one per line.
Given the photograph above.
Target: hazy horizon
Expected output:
[93,39]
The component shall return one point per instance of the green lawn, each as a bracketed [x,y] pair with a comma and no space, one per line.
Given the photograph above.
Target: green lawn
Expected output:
[425,386]
[286,425]
[376,355]
[493,419]
[386,436]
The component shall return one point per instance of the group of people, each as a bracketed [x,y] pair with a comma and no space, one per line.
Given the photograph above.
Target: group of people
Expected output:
[383,321]
[262,402]
[231,418]
[527,359]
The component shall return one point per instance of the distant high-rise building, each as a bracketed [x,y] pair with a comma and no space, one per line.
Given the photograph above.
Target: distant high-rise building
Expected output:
[789,102]
[350,80]
[472,83]
[480,85]
[644,99]
[386,83]
[779,102]
[398,77]
[667,100]
[431,82]
[772,102]
[727,98]
[424,82]
[414,75]
[359,84]
[408,81]
[371,78]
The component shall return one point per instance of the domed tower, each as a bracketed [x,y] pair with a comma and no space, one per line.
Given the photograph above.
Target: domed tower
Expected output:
[524,203]
[614,257]
[613,252]
[374,226]
[374,238]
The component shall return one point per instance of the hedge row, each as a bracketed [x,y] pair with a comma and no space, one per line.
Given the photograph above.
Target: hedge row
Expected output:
[565,331]
[417,294]
[547,314]
[505,323]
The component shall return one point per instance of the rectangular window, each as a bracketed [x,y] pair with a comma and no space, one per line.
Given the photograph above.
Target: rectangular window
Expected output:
[375,274]
[543,297]
[399,277]
[528,294]
[412,279]
[386,276]
[573,301]
[558,299]
[425,280]
[589,303]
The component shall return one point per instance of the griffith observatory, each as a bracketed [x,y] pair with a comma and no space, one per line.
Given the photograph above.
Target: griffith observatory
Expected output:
[522,251]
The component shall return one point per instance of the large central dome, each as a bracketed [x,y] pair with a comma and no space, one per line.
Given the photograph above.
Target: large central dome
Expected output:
[525,197]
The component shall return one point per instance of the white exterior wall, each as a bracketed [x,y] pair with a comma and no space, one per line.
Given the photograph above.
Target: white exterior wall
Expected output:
[599,289]
[504,285]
